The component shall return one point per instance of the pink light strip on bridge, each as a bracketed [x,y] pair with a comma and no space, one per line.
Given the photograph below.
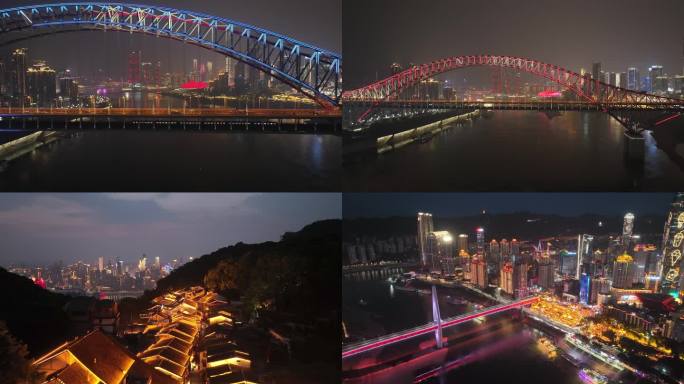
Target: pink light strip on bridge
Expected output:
[432,328]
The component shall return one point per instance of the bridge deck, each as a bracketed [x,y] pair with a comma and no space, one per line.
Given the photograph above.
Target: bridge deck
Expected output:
[171,113]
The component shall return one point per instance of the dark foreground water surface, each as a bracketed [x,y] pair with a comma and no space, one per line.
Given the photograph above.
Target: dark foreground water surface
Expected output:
[519,150]
[179,161]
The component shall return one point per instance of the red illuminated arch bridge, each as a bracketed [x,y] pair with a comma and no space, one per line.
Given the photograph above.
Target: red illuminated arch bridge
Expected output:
[590,92]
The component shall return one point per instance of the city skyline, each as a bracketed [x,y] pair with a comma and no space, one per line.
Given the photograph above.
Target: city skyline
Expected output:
[46,228]
[572,35]
[108,51]
[357,205]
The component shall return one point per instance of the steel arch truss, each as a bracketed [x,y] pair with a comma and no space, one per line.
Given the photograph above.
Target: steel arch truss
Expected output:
[311,70]
[587,89]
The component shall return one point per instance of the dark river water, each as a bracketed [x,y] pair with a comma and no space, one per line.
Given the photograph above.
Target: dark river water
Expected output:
[518,150]
[500,349]
[179,161]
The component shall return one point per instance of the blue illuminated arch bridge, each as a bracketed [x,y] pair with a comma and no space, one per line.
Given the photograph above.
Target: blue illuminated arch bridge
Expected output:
[313,71]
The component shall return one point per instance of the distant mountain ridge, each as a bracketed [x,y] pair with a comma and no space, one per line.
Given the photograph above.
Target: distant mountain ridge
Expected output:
[523,225]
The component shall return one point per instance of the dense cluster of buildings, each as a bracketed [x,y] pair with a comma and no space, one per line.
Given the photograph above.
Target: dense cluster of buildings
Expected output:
[635,282]
[185,336]
[112,278]
[654,80]
[25,82]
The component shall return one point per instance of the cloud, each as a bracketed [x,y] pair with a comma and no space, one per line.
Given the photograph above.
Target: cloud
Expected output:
[190,203]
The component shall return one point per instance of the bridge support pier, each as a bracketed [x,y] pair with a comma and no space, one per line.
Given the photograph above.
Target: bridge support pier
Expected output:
[437,317]
[635,146]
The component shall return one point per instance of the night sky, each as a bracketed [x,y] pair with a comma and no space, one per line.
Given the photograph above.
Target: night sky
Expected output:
[463,204]
[45,228]
[569,33]
[311,21]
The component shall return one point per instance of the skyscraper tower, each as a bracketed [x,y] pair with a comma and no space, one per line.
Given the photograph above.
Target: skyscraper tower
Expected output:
[584,252]
[623,271]
[627,229]
[19,69]
[424,230]
[480,241]
[134,68]
[462,242]
[673,246]
[633,80]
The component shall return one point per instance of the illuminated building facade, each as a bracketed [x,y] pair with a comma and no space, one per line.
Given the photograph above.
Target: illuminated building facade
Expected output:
[440,250]
[673,245]
[462,242]
[584,252]
[633,80]
[520,280]
[494,251]
[424,230]
[546,273]
[42,84]
[18,76]
[623,272]
[506,278]
[480,241]
[585,288]
[478,272]
[627,229]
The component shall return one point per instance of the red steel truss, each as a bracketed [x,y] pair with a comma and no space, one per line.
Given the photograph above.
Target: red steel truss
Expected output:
[589,90]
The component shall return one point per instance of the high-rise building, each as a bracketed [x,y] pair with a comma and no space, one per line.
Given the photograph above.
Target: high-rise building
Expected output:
[134,68]
[441,255]
[480,241]
[462,242]
[627,229]
[505,247]
[18,77]
[41,83]
[478,271]
[596,71]
[623,271]
[621,80]
[520,279]
[661,84]
[599,285]
[240,75]
[100,264]
[142,263]
[494,252]
[633,81]
[230,73]
[584,252]
[654,72]
[424,230]
[506,278]
[585,287]
[68,88]
[515,248]
[673,246]
[546,273]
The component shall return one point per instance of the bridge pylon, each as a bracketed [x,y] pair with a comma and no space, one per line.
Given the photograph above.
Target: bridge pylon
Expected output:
[437,318]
